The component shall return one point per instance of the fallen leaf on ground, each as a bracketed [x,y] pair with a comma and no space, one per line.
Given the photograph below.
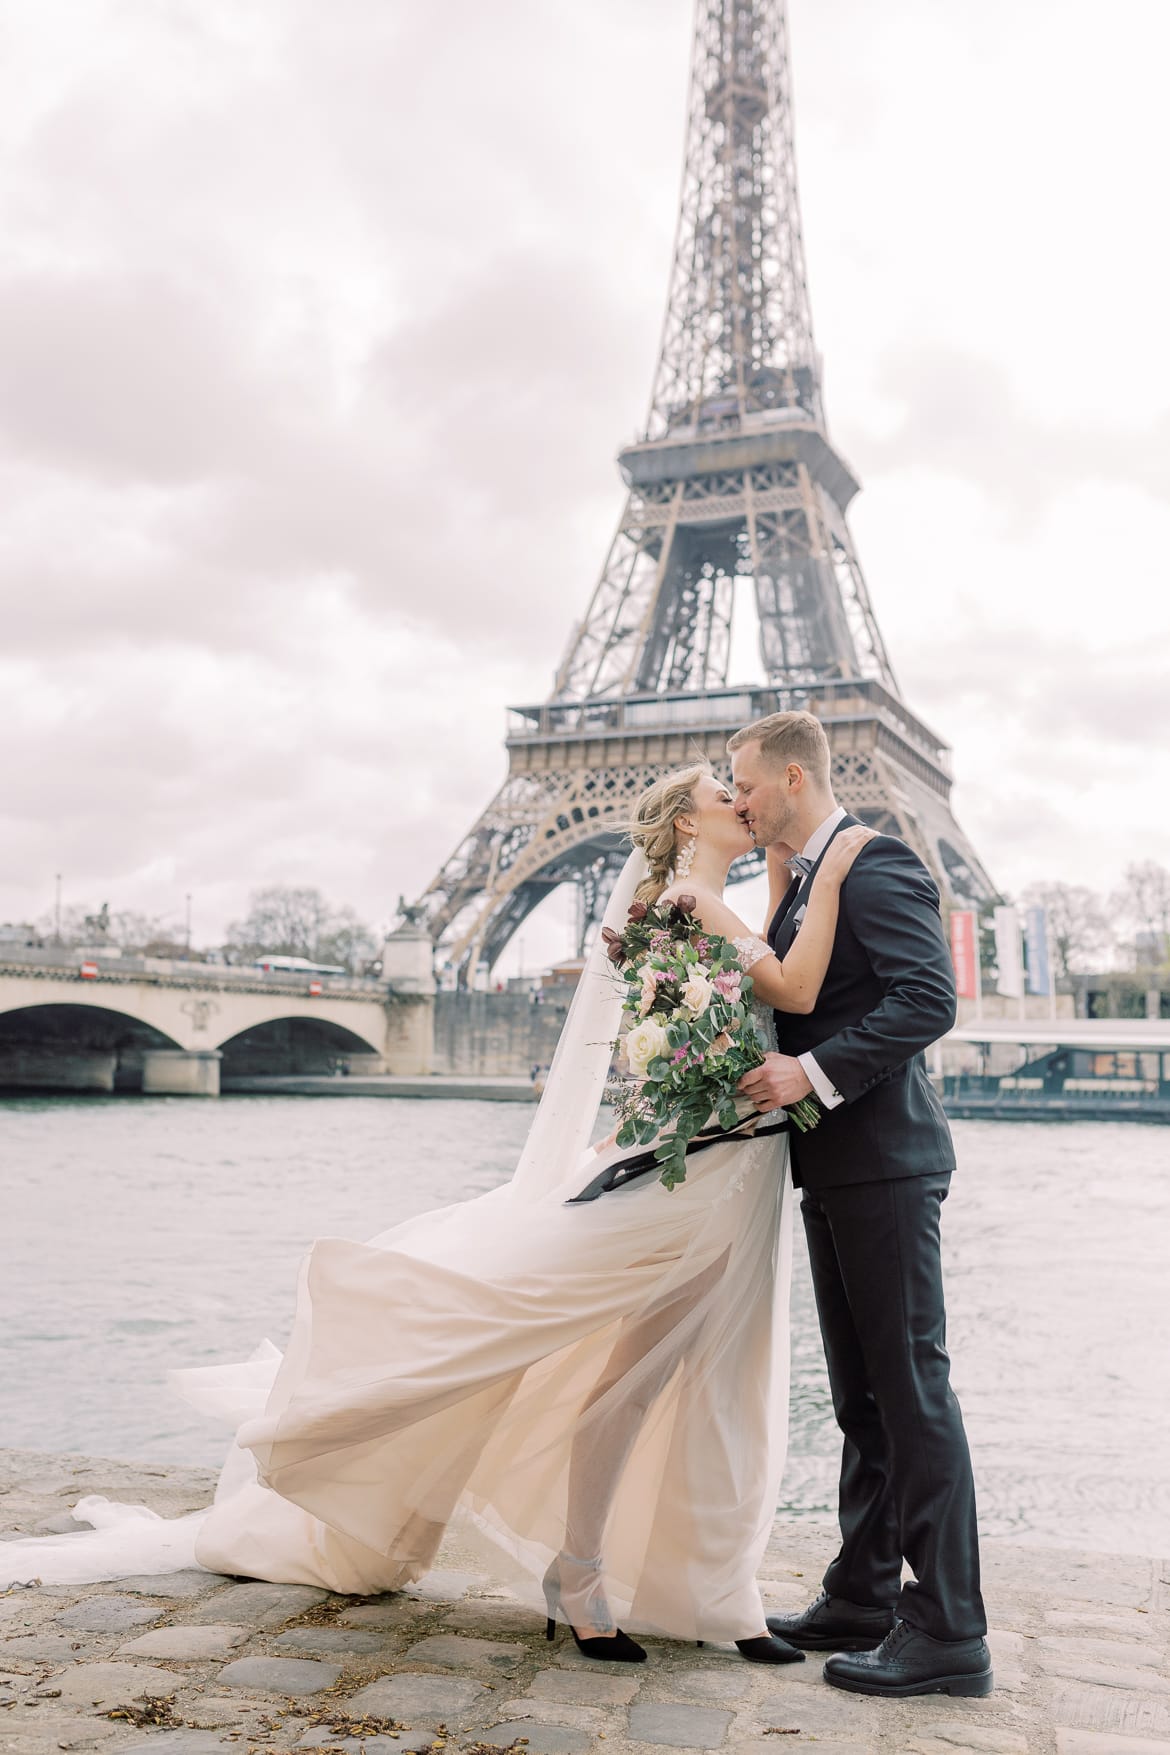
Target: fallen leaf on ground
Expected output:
[144,1714]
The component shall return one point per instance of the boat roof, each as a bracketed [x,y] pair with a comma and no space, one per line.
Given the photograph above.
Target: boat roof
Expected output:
[1103,1034]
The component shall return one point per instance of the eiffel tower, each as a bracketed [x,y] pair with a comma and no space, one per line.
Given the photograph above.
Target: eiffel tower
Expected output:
[735,482]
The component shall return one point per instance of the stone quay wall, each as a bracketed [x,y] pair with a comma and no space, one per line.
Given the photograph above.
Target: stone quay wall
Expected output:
[195,1664]
[495,1035]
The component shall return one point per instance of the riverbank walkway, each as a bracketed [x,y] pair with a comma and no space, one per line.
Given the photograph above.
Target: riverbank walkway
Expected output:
[472,1088]
[194,1664]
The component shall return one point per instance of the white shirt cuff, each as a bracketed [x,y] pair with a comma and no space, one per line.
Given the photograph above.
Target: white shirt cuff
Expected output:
[829,1095]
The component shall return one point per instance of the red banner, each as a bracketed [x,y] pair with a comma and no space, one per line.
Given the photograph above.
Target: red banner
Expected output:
[963,953]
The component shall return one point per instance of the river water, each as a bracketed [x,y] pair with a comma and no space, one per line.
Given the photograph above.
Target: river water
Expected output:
[140,1233]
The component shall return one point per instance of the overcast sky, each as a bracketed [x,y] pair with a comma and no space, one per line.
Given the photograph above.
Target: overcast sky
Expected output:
[320,327]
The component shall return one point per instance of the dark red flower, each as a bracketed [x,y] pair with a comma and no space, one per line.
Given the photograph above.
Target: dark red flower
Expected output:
[610,936]
[638,910]
[684,905]
[615,952]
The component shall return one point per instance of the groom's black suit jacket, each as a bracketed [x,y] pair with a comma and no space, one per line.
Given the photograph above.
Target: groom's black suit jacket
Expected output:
[888,994]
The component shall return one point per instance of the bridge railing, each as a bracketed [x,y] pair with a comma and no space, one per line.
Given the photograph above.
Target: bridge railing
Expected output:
[66,960]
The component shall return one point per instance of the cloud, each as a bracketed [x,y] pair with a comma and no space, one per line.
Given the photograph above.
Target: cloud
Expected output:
[958,415]
[127,377]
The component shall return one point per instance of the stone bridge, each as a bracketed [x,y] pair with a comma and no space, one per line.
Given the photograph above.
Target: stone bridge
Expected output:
[69,1021]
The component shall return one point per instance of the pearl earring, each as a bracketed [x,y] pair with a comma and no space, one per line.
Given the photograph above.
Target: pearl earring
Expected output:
[685,859]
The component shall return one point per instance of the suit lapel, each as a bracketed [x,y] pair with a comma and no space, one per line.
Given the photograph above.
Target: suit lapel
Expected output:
[781,914]
[797,896]
[790,922]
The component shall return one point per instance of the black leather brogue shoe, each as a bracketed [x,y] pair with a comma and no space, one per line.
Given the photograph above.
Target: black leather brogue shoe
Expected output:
[909,1661]
[831,1624]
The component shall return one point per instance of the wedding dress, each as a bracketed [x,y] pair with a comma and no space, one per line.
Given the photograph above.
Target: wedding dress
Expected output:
[607,1378]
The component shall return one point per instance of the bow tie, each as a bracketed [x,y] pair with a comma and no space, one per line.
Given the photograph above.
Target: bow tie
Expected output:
[800,864]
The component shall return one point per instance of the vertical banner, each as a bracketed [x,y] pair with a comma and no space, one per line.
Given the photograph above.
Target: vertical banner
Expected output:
[1036,939]
[1007,953]
[964,953]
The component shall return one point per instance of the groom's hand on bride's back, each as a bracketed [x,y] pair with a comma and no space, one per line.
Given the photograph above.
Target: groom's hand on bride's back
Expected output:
[781,1080]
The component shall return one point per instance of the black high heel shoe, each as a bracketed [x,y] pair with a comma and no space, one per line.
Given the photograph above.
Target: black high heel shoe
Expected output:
[616,1647]
[767,1649]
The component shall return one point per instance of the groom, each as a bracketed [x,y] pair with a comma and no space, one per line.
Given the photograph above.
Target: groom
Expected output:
[873,1176]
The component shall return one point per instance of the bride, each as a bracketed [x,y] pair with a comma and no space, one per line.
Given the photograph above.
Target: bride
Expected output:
[596,1389]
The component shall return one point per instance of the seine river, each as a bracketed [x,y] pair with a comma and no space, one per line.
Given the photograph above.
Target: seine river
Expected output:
[140,1233]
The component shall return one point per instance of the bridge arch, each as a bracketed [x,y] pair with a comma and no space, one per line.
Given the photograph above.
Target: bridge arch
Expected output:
[78,1023]
[74,1045]
[165,1030]
[296,1042]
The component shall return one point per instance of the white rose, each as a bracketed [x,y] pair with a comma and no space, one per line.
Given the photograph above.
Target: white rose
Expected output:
[696,994]
[643,1042]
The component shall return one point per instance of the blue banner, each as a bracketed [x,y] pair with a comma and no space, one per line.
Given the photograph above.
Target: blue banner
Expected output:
[1036,941]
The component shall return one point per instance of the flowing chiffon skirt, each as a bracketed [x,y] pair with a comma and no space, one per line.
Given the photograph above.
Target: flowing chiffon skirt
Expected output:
[604,1379]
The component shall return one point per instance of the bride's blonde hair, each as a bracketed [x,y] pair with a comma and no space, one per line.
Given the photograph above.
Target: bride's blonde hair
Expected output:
[652,828]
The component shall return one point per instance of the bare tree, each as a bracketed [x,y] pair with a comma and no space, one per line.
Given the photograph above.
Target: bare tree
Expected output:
[347,940]
[1143,904]
[125,928]
[80,925]
[140,932]
[1078,926]
[286,921]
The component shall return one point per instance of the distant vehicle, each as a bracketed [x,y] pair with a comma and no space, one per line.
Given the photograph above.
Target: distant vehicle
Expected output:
[296,966]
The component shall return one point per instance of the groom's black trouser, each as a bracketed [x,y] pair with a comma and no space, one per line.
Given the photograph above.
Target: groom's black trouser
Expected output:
[906,1485]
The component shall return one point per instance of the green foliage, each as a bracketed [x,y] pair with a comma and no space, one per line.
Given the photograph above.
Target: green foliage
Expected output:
[691,1088]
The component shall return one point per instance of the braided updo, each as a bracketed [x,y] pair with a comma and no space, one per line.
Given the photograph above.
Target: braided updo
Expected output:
[653,830]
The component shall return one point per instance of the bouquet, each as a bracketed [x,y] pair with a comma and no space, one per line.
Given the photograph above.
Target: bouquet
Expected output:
[693,1035]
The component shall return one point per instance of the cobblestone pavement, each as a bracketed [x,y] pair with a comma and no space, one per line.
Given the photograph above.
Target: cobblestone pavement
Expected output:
[193,1664]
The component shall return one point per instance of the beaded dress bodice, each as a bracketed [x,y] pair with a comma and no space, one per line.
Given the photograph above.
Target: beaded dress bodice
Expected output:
[751,949]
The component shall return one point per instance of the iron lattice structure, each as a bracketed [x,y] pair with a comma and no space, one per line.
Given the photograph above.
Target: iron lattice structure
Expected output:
[734,480]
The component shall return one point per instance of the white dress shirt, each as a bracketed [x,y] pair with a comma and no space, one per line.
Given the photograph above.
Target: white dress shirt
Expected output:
[826,1091]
